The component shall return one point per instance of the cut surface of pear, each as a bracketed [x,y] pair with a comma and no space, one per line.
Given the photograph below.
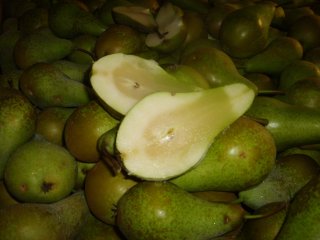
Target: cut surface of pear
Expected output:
[166,134]
[121,80]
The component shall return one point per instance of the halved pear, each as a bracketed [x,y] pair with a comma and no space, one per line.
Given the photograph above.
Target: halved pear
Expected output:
[166,134]
[120,80]
[172,29]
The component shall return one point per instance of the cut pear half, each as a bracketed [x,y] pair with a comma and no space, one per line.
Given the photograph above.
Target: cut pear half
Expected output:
[121,80]
[165,134]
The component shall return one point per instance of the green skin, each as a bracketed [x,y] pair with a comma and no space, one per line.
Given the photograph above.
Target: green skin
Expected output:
[46,86]
[56,221]
[29,49]
[75,71]
[161,210]
[290,174]
[87,43]
[17,123]
[246,146]
[302,221]
[215,66]
[289,125]
[40,171]
[281,52]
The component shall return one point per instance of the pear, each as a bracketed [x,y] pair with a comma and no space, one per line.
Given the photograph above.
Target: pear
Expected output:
[301,221]
[67,20]
[192,5]
[171,29]
[118,39]
[33,19]
[83,169]
[51,122]
[289,125]
[121,80]
[263,81]
[18,123]
[246,146]
[281,52]
[313,153]
[166,141]
[40,171]
[216,196]
[103,191]
[265,228]
[94,229]
[244,32]
[37,221]
[296,71]
[84,49]
[306,30]
[289,175]
[46,86]
[29,49]
[161,210]
[215,66]
[83,129]
[76,71]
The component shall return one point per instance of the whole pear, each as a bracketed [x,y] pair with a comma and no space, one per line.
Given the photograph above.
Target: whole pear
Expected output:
[40,171]
[161,210]
[37,221]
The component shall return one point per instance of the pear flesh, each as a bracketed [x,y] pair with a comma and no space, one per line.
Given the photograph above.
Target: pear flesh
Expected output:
[121,80]
[166,134]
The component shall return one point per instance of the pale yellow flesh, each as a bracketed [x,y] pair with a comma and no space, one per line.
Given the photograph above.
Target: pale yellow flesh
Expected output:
[164,135]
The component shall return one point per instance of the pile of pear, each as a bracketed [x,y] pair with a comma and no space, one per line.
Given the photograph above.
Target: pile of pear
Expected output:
[63,170]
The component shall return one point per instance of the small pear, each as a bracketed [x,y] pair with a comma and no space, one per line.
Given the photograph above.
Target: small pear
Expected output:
[83,129]
[103,191]
[37,221]
[84,49]
[245,145]
[29,49]
[161,210]
[289,175]
[165,142]
[67,20]
[83,169]
[40,171]
[46,86]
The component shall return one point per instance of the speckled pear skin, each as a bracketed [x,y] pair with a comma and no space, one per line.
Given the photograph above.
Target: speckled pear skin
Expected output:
[162,211]
[302,221]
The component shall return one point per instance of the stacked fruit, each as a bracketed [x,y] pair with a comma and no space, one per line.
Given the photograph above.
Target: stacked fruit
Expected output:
[164,120]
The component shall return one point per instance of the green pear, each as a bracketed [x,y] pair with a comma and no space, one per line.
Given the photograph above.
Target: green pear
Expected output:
[67,20]
[164,142]
[289,175]
[305,92]
[192,5]
[37,221]
[40,171]
[278,54]
[46,86]
[33,19]
[84,49]
[296,71]
[161,210]
[289,125]
[103,191]
[121,80]
[215,66]
[51,123]
[313,153]
[18,123]
[83,169]
[244,32]
[29,49]
[306,30]
[265,228]
[246,146]
[8,40]
[83,129]
[94,229]
[216,196]
[302,216]
[76,71]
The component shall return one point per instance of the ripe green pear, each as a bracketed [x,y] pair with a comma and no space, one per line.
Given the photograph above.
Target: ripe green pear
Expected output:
[246,146]
[37,221]
[17,123]
[40,171]
[161,210]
